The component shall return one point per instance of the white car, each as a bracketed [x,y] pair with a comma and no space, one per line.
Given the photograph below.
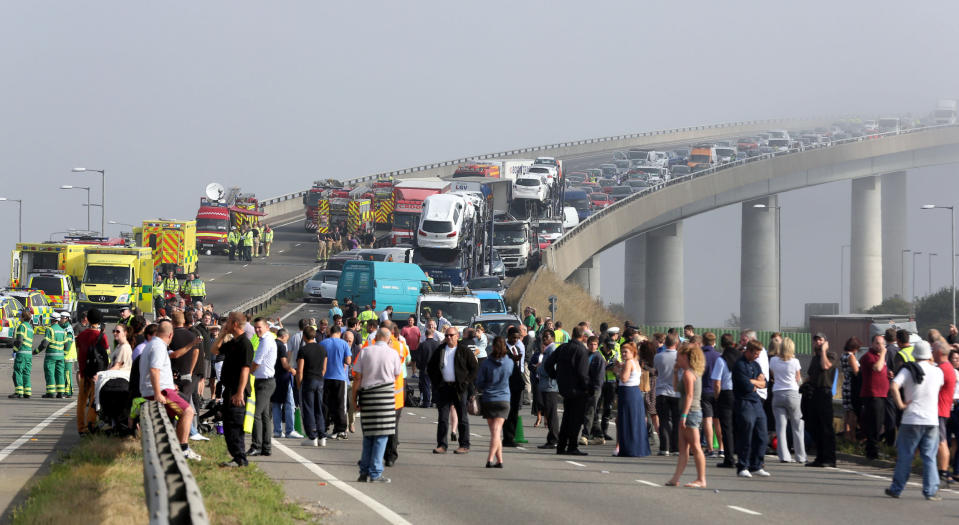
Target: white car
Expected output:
[442,221]
[530,186]
[547,173]
[322,286]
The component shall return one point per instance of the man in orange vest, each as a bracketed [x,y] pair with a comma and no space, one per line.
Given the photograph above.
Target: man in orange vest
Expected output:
[399,392]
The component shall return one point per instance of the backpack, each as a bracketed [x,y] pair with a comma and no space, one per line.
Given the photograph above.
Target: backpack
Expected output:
[97,359]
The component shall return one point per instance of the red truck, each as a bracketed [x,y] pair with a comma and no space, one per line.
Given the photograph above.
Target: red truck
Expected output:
[215,218]
[408,201]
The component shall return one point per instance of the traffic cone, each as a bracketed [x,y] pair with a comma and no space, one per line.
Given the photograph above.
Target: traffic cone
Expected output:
[520,436]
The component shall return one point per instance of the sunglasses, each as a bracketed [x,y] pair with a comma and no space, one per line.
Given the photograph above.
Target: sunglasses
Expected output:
[116,331]
[451,335]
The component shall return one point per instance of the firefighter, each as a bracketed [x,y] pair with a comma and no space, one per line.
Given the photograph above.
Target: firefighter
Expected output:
[195,288]
[23,357]
[248,244]
[53,361]
[321,251]
[233,239]
[267,239]
[69,355]
[256,240]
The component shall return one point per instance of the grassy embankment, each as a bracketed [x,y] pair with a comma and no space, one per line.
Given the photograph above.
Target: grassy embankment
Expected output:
[574,304]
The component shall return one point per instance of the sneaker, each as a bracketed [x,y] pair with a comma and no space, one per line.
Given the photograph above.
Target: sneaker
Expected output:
[363,478]
[891,494]
[47,396]
[597,441]
[198,437]
[663,453]
[934,497]
[294,435]
[190,454]
[310,442]
[278,435]
[322,442]
[342,436]
[761,473]
[583,440]
[381,479]
[744,474]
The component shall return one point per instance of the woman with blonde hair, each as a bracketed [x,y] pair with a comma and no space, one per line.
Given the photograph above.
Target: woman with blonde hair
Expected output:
[335,310]
[787,371]
[688,378]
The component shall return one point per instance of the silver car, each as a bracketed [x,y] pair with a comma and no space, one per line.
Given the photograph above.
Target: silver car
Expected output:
[322,286]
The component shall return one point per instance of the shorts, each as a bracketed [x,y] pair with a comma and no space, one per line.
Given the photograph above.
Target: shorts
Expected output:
[217,367]
[494,409]
[202,369]
[943,429]
[694,419]
[707,404]
[175,405]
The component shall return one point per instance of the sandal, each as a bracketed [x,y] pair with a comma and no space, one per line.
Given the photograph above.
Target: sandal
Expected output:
[694,485]
[672,483]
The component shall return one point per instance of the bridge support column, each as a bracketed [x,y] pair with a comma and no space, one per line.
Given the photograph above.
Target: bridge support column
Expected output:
[664,276]
[759,296]
[865,283]
[894,226]
[587,276]
[634,294]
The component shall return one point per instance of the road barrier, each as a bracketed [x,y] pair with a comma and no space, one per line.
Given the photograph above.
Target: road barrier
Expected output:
[263,301]
[172,494]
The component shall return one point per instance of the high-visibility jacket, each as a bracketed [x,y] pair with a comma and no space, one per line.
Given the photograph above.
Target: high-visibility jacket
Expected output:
[248,238]
[560,336]
[366,315]
[24,334]
[399,386]
[195,288]
[233,238]
[69,348]
[906,354]
[58,339]
[613,357]
[171,285]
[268,236]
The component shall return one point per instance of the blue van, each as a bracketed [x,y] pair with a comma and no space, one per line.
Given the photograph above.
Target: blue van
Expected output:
[388,283]
[490,302]
[580,200]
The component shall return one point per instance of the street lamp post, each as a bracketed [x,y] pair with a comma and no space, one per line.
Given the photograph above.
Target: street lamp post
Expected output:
[914,254]
[952,237]
[19,216]
[779,255]
[902,273]
[930,256]
[70,187]
[103,196]
[842,273]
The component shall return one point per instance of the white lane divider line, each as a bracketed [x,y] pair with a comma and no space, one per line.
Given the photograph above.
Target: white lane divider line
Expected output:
[388,515]
[281,251]
[228,273]
[297,244]
[211,280]
[644,482]
[422,417]
[575,463]
[745,511]
[9,449]
[301,219]
[475,434]
[245,265]
[520,448]
[293,311]
[411,413]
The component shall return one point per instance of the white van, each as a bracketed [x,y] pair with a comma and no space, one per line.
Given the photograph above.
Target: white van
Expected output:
[442,220]
[570,218]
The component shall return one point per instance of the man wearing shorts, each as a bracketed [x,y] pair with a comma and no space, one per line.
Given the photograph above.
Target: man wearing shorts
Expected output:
[156,384]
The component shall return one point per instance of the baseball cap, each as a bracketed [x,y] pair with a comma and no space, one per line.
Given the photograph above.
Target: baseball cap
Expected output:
[820,335]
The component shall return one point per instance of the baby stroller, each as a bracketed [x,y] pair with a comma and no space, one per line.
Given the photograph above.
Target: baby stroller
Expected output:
[113,409]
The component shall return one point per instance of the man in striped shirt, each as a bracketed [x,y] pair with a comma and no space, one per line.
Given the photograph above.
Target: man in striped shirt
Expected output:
[375,371]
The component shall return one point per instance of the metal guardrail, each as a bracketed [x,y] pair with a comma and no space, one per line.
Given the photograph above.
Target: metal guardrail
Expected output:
[534,149]
[264,300]
[172,494]
[719,167]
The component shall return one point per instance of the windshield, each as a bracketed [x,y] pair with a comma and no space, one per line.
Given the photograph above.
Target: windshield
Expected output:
[492,306]
[437,226]
[579,204]
[212,225]
[700,158]
[538,170]
[508,236]
[405,221]
[637,154]
[498,327]
[551,227]
[485,283]
[119,275]
[437,257]
[311,199]
[527,182]
[49,285]
[725,152]
[457,313]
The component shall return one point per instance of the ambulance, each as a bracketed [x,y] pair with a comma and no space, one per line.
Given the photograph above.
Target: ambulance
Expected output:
[114,278]
[173,243]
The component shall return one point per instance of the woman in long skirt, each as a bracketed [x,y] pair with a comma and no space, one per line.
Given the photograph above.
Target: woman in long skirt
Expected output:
[631,437]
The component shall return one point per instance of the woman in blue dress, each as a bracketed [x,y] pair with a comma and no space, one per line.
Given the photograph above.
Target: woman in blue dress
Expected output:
[631,437]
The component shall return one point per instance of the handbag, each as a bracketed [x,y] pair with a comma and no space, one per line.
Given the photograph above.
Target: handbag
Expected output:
[473,406]
[644,381]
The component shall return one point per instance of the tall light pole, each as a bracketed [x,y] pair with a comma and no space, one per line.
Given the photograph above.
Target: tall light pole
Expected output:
[69,187]
[902,273]
[914,254]
[779,255]
[952,237]
[930,255]
[103,196]
[19,216]
[842,273]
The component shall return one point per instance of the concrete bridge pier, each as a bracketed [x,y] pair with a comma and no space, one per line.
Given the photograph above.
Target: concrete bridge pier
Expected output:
[894,227]
[866,272]
[634,293]
[759,297]
[664,276]
[587,277]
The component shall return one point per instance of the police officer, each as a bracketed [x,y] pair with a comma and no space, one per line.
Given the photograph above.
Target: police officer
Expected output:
[321,246]
[610,351]
[23,357]
[53,361]
[267,240]
[126,316]
[233,239]
[248,244]
[195,288]
[69,354]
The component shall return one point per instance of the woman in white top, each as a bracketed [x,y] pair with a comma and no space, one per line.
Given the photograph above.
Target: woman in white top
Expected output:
[122,356]
[785,369]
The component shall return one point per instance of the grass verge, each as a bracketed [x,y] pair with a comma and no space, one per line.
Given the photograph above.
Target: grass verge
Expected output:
[101,481]
[574,304]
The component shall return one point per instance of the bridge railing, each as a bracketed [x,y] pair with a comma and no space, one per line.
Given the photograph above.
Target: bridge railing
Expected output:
[264,300]
[719,167]
[172,493]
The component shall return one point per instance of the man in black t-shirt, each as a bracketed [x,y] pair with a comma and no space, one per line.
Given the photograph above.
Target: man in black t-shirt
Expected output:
[183,355]
[310,370]
[237,352]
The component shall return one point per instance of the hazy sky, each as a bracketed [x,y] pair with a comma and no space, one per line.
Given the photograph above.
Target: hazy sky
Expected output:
[270,96]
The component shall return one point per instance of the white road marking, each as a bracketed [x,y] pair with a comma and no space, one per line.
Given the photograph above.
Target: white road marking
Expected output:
[745,511]
[228,273]
[521,448]
[411,413]
[301,219]
[644,482]
[211,280]
[422,417]
[474,434]
[245,265]
[388,515]
[297,244]
[293,311]
[9,449]
[281,251]
[575,463]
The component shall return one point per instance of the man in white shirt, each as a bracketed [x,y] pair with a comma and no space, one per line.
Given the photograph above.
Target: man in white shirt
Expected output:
[919,384]
[156,383]
[264,383]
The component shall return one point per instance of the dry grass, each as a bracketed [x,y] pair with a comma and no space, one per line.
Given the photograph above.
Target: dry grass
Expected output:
[516,290]
[574,303]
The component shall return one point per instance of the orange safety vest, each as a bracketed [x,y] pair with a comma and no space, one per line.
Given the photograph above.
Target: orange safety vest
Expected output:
[399,387]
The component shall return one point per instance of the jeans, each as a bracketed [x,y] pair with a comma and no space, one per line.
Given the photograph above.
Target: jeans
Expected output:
[926,439]
[668,409]
[446,396]
[592,416]
[751,434]
[283,412]
[311,392]
[262,436]
[371,462]
[426,390]
[551,402]
[725,410]
[787,412]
